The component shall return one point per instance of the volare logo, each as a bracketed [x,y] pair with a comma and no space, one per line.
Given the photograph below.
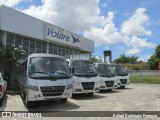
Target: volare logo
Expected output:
[75,39]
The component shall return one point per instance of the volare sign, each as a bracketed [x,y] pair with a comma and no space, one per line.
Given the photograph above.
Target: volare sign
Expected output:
[63,36]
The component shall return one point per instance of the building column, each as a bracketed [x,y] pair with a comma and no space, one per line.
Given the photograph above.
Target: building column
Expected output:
[47,47]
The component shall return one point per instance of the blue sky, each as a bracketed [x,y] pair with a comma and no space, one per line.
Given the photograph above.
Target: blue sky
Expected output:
[131,27]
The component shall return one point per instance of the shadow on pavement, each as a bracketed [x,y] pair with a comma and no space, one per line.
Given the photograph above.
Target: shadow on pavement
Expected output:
[86,97]
[53,106]
[124,88]
[108,92]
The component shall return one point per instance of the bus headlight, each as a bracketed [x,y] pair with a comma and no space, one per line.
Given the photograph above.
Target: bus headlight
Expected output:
[69,86]
[35,88]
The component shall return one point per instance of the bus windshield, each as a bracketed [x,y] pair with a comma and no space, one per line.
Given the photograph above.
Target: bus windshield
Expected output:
[120,70]
[48,67]
[84,68]
[105,71]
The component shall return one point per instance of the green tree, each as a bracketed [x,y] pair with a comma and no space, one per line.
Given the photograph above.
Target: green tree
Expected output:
[96,60]
[154,60]
[127,59]
[9,58]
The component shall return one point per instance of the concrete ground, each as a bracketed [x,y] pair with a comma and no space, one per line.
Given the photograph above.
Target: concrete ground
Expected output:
[135,97]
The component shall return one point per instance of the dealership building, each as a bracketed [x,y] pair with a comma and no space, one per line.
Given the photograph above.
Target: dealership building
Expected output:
[37,36]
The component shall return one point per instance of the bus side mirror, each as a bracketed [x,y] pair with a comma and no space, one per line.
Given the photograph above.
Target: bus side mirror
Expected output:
[72,70]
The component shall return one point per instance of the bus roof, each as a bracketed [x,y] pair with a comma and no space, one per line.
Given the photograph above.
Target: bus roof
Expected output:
[44,55]
[41,55]
[78,60]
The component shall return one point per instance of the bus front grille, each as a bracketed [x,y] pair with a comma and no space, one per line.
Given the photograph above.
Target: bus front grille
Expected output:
[109,83]
[88,85]
[52,90]
[123,81]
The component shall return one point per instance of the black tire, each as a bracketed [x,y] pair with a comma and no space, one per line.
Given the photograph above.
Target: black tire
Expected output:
[90,94]
[1,101]
[122,87]
[63,100]
[109,90]
[27,103]
[5,94]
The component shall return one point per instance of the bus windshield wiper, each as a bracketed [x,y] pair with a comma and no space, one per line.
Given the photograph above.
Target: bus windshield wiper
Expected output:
[45,73]
[59,73]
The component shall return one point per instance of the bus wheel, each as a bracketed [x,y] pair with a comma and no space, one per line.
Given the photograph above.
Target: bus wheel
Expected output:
[27,103]
[63,100]
[122,87]
[90,94]
[1,101]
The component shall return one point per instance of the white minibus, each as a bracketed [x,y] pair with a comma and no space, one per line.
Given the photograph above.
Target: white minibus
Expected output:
[44,77]
[85,77]
[122,75]
[107,77]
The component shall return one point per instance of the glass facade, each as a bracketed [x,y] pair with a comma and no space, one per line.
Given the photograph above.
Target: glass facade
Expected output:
[31,45]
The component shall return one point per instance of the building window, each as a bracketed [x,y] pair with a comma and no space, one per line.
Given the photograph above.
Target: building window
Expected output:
[55,50]
[38,47]
[59,50]
[63,51]
[32,46]
[1,37]
[10,40]
[26,47]
[51,49]
[71,51]
[44,47]
[18,41]
[26,42]
[67,51]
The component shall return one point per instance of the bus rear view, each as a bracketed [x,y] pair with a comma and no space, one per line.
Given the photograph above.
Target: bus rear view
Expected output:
[44,77]
[85,77]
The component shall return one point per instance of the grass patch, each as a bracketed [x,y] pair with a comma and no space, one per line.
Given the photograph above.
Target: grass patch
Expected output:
[150,79]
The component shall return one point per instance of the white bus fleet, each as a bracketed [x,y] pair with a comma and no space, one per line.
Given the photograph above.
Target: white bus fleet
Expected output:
[122,75]
[107,77]
[44,77]
[85,77]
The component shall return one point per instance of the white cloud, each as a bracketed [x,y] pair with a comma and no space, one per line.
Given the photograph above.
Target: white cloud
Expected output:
[148,56]
[142,59]
[135,25]
[10,3]
[74,15]
[137,42]
[106,35]
[106,48]
[133,51]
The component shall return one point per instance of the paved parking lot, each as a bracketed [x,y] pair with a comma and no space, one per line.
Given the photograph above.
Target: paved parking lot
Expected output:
[135,97]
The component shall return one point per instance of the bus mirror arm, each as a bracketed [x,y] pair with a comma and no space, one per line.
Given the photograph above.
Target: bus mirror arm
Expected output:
[72,70]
